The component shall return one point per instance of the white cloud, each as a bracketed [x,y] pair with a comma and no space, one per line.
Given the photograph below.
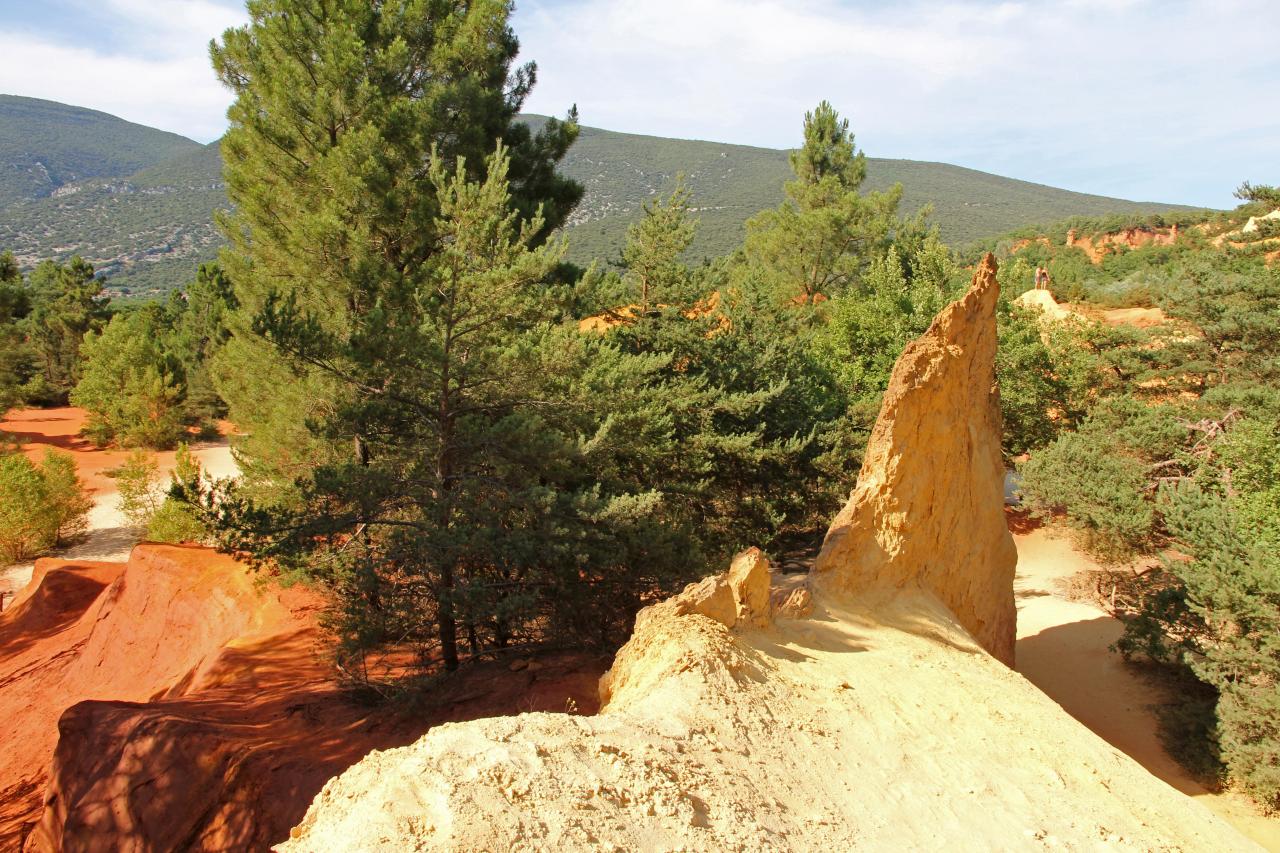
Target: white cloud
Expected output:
[157,74]
[1174,101]
[1121,97]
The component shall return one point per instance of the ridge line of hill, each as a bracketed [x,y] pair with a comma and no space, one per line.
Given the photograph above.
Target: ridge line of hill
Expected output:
[140,206]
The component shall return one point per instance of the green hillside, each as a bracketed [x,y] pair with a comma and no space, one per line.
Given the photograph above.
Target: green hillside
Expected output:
[730,183]
[45,146]
[147,228]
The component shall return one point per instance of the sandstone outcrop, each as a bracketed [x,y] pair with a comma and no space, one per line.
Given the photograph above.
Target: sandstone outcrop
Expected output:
[928,510]
[855,711]
[1098,246]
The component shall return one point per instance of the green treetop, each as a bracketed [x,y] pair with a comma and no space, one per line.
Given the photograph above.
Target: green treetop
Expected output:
[65,307]
[339,107]
[655,244]
[822,238]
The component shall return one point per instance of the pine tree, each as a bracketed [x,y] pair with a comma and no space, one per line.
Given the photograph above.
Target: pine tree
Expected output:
[15,355]
[131,384]
[655,244]
[423,432]
[201,312]
[739,390]
[339,106]
[821,239]
[66,306]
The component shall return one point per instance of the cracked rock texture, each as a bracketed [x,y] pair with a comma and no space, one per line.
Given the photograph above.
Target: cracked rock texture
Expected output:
[928,509]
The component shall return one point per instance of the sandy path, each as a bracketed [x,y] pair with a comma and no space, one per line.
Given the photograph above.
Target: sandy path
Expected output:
[109,537]
[1063,650]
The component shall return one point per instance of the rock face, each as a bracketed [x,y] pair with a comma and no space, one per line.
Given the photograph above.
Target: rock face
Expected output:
[145,705]
[928,510]
[1098,246]
[855,711]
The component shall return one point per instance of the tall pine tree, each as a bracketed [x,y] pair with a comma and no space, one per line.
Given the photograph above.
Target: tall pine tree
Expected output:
[339,105]
[821,239]
[423,431]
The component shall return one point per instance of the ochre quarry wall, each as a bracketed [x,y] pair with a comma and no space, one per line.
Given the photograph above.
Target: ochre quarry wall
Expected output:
[145,706]
[181,702]
[853,712]
[928,509]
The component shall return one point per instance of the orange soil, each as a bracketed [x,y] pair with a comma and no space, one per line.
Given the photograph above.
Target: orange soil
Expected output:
[1098,246]
[109,536]
[39,430]
[1139,318]
[175,702]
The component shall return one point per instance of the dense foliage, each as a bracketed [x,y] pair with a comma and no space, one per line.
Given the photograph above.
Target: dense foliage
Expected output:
[145,379]
[41,504]
[1174,452]
[152,508]
[436,429]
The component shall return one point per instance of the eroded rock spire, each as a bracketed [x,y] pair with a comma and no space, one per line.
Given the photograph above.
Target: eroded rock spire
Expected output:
[928,509]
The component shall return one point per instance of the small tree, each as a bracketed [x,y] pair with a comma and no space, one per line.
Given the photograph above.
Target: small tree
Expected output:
[176,519]
[65,307]
[15,355]
[137,486]
[655,244]
[163,516]
[1259,194]
[41,506]
[132,386]
[820,241]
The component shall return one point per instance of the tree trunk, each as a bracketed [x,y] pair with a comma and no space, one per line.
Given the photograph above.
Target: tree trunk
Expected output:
[445,620]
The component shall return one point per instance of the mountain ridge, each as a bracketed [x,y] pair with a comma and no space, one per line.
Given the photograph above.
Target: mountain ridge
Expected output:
[147,229]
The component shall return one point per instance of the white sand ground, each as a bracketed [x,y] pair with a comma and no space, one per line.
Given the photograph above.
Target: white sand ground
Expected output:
[1063,648]
[109,536]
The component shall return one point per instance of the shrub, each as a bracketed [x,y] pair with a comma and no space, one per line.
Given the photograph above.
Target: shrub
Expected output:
[162,517]
[136,483]
[1232,586]
[1101,490]
[175,520]
[132,386]
[41,506]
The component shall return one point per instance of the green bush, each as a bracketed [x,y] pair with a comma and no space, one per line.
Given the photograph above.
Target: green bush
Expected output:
[138,488]
[162,517]
[1100,489]
[41,506]
[132,387]
[1232,586]
[175,520]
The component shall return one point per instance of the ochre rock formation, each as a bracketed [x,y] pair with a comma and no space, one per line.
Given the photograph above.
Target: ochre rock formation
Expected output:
[855,711]
[1043,301]
[1098,246]
[928,510]
[177,702]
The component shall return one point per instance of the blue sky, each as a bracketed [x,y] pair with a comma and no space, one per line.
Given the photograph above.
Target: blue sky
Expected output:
[1167,100]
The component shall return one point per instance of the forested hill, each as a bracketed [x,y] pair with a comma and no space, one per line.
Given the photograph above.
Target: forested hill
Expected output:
[730,183]
[45,146]
[138,202]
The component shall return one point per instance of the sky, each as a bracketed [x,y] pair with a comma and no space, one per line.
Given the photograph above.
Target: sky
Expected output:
[1153,100]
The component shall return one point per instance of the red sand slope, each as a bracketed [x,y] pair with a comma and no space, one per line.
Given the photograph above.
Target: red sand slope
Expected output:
[174,703]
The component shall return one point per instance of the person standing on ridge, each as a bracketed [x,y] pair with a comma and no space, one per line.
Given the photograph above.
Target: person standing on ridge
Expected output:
[1042,278]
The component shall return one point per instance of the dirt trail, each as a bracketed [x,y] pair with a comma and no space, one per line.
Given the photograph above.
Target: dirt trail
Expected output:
[109,537]
[1063,648]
